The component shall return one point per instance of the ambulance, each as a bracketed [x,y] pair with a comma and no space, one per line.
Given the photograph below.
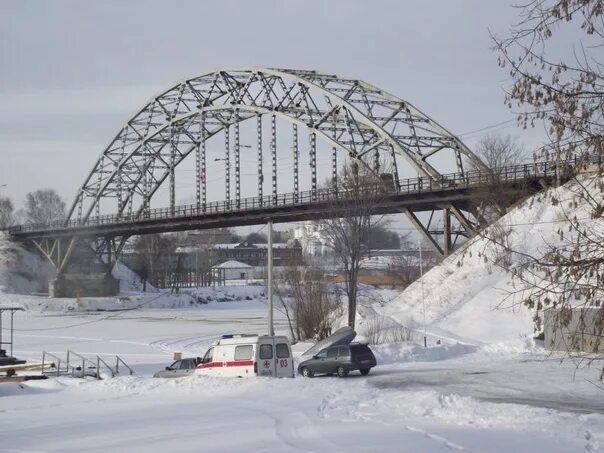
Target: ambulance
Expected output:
[243,355]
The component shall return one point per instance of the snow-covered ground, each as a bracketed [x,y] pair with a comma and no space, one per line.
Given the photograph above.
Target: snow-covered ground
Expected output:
[504,397]
[482,384]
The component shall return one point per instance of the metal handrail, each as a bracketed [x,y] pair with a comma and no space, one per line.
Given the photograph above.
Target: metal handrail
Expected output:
[100,361]
[58,360]
[451,181]
[119,360]
[69,366]
[84,361]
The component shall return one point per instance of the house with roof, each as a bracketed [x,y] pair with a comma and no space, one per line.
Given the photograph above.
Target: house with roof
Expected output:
[233,270]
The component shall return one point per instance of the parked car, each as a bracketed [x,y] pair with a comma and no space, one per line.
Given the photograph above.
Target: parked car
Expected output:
[340,360]
[180,368]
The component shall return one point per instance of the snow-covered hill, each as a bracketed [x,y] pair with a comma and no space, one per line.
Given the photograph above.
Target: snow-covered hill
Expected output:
[471,296]
[21,271]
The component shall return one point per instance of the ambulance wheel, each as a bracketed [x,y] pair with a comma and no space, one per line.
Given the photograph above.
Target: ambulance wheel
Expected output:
[307,373]
[342,372]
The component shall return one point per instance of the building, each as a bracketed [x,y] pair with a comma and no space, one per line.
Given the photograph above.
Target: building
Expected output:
[233,270]
[256,255]
[312,239]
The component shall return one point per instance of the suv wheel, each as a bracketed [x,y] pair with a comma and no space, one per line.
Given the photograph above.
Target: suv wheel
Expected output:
[365,371]
[342,372]
[307,373]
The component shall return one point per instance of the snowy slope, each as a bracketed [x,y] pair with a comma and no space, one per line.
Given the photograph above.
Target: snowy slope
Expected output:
[21,271]
[470,296]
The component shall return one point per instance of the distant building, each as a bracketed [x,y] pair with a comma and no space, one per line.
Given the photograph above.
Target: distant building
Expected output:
[233,270]
[312,239]
[284,254]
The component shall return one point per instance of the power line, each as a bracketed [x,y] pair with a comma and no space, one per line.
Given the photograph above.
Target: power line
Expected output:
[486,128]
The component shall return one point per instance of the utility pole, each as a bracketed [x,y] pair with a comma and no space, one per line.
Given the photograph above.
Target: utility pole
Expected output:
[271,330]
[421,273]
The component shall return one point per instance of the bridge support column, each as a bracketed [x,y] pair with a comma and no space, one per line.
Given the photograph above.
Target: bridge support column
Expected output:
[79,272]
[77,285]
[423,231]
[463,221]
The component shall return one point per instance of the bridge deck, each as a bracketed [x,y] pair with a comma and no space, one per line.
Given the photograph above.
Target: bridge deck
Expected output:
[416,194]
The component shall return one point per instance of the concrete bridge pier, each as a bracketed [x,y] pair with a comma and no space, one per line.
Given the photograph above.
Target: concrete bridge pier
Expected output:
[84,285]
[80,272]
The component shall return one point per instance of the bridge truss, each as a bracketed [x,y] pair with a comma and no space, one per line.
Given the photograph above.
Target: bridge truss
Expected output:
[341,119]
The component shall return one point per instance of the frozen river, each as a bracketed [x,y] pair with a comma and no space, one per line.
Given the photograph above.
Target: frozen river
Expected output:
[444,398]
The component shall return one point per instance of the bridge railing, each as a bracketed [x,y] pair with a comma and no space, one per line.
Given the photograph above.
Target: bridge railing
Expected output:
[452,181]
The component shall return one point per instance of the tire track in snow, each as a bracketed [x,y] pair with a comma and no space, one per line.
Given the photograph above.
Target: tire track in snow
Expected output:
[435,437]
[183,344]
[357,410]
[294,428]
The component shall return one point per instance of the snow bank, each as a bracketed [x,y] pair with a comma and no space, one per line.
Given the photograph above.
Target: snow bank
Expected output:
[470,296]
[130,281]
[389,353]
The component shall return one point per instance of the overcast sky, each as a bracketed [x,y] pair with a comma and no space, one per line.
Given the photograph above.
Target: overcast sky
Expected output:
[72,72]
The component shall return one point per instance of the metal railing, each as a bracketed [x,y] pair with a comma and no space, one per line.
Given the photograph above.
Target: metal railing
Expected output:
[446,182]
[119,360]
[80,365]
[57,366]
[77,368]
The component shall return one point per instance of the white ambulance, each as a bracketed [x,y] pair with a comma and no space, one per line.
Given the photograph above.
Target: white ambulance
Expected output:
[242,355]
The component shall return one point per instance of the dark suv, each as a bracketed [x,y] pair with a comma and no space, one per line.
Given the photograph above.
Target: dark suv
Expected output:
[340,360]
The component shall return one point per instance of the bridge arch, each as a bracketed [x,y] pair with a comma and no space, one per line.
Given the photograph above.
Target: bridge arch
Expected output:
[348,114]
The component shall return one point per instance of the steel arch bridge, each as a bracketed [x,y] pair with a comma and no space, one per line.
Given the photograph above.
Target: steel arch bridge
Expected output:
[340,119]
[353,117]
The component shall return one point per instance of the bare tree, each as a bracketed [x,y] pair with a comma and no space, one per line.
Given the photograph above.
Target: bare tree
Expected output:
[310,308]
[44,206]
[152,251]
[568,95]
[7,215]
[347,236]
[498,152]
